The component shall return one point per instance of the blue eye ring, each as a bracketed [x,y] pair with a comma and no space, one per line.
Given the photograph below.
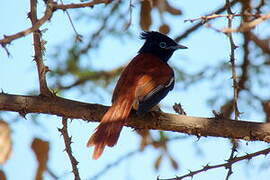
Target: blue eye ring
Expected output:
[162,45]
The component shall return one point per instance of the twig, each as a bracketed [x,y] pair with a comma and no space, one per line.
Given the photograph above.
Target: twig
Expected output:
[81,5]
[261,43]
[98,75]
[234,150]
[78,36]
[67,140]
[113,164]
[50,8]
[235,83]
[39,49]
[214,16]
[128,155]
[248,26]
[232,61]
[196,26]
[130,15]
[226,164]
[47,15]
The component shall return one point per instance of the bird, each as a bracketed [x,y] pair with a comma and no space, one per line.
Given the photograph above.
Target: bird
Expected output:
[144,82]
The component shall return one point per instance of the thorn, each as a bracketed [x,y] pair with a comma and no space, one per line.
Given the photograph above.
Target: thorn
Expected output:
[218,115]
[78,38]
[61,131]
[23,114]
[29,15]
[47,69]
[5,48]
[206,166]
[177,107]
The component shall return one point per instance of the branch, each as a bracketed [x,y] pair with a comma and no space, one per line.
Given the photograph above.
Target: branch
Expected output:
[228,163]
[81,5]
[114,163]
[196,26]
[235,83]
[198,126]
[50,9]
[47,15]
[39,49]
[264,44]
[67,140]
[232,60]
[94,76]
[214,16]
[248,26]
[129,155]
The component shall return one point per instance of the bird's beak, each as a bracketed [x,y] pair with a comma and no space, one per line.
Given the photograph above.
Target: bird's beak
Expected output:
[178,47]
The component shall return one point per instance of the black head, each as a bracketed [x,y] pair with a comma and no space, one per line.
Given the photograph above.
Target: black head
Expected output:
[159,44]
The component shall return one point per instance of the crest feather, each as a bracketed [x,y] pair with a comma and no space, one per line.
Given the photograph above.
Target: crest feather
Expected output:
[147,34]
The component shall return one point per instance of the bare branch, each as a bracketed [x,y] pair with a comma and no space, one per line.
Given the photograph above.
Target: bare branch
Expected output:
[196,26]
[248,26]
[228,163]
[214,16]
[78,36]
[81,5]
[50,8]
[67,140]
[98,75]
[39,49]
[115,163]
[235,83]
[198,126]
[129,155]
[261,43]
[47,15]
[232,60]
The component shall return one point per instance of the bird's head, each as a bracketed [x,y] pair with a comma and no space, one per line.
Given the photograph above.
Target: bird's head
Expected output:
[159,44]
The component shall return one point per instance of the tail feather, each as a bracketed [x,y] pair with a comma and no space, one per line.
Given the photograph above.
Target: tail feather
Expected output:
[108,131]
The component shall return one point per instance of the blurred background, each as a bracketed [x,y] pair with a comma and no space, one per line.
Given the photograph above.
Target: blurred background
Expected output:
[87,71]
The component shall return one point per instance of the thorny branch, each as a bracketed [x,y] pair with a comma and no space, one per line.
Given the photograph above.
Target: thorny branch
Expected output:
[81,5]
[225,165]
[67,140]
[39,49]
[128,155]
[235,82]
[47,15]
[214,16]
[232,61]
[51,7]
[198,126]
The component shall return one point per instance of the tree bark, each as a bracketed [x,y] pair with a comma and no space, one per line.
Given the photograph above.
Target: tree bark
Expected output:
[198,126]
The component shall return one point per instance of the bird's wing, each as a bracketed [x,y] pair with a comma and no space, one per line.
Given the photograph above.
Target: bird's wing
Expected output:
[151,91]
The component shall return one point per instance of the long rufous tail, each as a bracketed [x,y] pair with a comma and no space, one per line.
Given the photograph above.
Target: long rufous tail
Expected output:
[108,131]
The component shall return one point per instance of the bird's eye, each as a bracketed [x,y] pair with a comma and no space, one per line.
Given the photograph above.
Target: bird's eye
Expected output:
[162,45]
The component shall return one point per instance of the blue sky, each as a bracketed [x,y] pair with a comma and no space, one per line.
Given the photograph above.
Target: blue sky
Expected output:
[18,76]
